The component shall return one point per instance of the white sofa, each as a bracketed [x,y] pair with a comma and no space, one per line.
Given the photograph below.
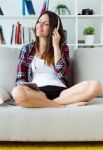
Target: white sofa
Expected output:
[75,123]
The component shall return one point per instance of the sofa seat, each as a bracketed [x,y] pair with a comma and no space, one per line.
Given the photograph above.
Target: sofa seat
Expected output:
[75,123]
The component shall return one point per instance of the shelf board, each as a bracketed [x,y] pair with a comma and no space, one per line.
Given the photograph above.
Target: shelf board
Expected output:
[90,16]
[10,17]
[30,17]
[96,44]
[68,16]
[11,45]
[36,16]
[69,44]
[62,17]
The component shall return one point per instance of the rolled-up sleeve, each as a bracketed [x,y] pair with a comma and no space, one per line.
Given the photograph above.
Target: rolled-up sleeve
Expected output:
[23,65]
[61,67]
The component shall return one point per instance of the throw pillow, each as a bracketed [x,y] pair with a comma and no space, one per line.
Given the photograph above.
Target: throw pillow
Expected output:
[4,96]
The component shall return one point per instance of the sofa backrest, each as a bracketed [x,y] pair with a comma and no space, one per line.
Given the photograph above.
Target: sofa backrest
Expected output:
[85,64]
[88,65]
[8,65]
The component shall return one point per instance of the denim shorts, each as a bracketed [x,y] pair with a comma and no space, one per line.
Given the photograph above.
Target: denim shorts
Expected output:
[52,91]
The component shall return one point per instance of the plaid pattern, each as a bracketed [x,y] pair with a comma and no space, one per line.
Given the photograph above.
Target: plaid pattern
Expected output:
[61,68]
[24,70]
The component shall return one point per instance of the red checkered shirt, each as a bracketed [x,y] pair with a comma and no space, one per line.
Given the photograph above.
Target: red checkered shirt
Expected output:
[24,69]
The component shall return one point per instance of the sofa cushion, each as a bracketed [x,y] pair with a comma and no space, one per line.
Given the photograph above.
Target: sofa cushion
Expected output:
[75,123]
[88,65]
[8,65]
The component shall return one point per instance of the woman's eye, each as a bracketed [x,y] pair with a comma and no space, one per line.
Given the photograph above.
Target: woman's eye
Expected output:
[43,23]
[46,24]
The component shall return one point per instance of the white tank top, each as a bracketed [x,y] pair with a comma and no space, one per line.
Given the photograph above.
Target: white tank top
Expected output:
[44,75]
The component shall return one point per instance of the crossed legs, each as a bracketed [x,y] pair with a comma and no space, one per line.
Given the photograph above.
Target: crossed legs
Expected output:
[79,93]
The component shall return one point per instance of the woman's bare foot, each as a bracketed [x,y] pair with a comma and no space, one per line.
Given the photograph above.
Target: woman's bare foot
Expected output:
[77,104]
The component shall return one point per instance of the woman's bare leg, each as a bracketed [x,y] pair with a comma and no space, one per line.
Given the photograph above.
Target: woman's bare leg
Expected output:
[26,97]
[79,93]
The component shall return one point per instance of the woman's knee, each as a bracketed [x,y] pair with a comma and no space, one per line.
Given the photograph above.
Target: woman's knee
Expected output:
[93,87]
[19,94]
[96,87]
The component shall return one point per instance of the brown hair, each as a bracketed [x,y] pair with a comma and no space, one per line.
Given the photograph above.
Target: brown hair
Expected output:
[48,55]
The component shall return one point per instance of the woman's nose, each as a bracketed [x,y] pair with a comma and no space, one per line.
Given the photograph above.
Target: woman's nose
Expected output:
[41,24]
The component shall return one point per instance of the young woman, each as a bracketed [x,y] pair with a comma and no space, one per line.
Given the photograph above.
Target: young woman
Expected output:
[45,62]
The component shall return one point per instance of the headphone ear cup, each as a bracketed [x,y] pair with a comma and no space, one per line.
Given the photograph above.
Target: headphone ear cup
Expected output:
[58,24]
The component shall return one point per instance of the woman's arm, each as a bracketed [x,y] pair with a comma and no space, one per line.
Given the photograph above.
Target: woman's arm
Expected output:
[25,58]
[61,57]
[22,66]
[61,67]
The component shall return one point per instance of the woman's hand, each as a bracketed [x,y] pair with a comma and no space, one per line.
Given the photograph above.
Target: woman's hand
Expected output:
[56,38]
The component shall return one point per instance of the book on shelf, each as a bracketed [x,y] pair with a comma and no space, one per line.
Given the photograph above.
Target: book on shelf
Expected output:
[45,6]
[18,33]
[1,12]
[32,34]
[26,35]
[12,32]
[81,41]
[29,5]
[83,45]
[29,35]
[2,39]
[23,7]
[12,41]
[22,35]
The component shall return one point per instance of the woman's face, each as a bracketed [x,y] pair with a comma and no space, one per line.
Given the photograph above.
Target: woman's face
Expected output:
[42,27]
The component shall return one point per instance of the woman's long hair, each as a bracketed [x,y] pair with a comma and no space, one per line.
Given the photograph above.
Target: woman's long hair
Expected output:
[48,55]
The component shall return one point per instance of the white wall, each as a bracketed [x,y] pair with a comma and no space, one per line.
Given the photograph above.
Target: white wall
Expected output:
[11,7]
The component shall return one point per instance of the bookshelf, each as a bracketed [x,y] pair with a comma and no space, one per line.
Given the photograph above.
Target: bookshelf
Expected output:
[74,23]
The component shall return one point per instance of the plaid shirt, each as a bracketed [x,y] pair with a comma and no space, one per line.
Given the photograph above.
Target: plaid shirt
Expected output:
[24,69]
